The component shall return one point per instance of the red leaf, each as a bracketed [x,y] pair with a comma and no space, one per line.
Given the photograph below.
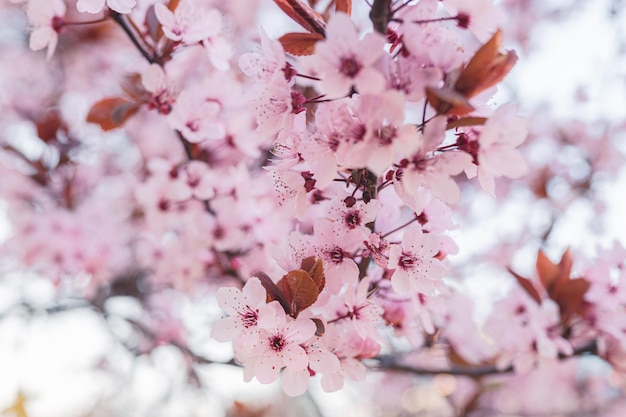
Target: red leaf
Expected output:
[570,297]
[447,101]
[315,268]
[300,290]
[380,15]
[300,43]
[486,68]
[527,285]
[554,276]
[273,292]
[304,15]
[320,329]
[112,112]
[344,6]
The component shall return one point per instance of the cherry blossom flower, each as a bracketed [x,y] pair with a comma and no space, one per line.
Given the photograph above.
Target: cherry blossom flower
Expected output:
[154,81]
[245,308]
[483,15]
[343,61]
[279,346]
[46,18]
[275,106]
[262,65]
[196,117]
[415,268]
[96,6]
[191,25]
[334,250]
[497,154]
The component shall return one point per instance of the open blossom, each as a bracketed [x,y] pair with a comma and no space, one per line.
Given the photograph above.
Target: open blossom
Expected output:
[46,18]
[244,308]
[197,117]
[279,346]
[497,154]
[96,6]
[482,16]
[191,25]
[262,65]
[343,61]
[416,269]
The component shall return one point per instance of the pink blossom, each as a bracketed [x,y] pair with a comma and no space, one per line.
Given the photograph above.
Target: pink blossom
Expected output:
[197,117]
[96,6]
[343,61]
[278,346]
[245,308]
[483,15]
[497,154]
[262,65]
[46,18]
[415,268]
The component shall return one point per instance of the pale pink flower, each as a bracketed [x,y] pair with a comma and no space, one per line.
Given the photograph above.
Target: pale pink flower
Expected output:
[334,250]
[295,382]
[262,65]
[154,81]
[96,6]
[483,15]
[46,19]
[275,106]
[191,25]
[197,175]
[196,117]
[279,346]
[415,268]
[343,61]
[245,308]
[497,148]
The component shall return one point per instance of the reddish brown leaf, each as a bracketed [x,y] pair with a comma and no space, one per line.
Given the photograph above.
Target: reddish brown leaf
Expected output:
[486,68]
[527,285]
[320,329]
[112,112]
[299,289]
[304,15]
[447,101]
[131,84]
[554,276]
[50,125]
[300,43]
[273,292]
[344,6]
[380,15]
[172,5]
[315,268]
[570,297]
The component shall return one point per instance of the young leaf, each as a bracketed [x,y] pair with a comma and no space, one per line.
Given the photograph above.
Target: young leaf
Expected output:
[315,268]
[527,285]
[554,276]
[273,292]
[570,297]
[112,112]
[344,6]
[447,101]
[300,44]
[300,290]
[486,68]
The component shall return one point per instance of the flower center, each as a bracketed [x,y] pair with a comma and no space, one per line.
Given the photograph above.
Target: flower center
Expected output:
[277,342]
[407,261]
[349,67]
[249,317]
